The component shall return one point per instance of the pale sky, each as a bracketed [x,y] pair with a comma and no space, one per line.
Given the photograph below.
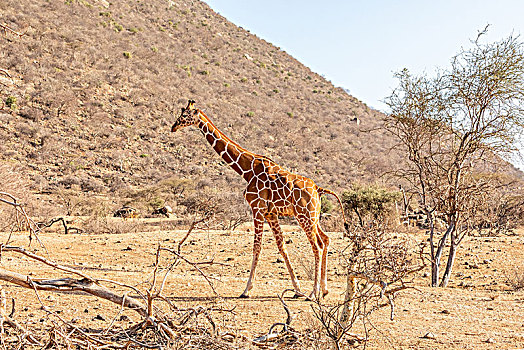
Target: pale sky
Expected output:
[360,44]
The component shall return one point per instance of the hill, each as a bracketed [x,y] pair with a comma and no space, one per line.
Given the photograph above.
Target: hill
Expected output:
[93,88]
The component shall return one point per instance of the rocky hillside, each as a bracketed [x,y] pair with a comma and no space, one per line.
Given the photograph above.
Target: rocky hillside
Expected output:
[89,93]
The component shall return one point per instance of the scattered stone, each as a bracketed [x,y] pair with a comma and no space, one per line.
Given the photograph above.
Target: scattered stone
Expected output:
[289,241]
[124,318]
[126,213]
[490,340]
[353,342]
[166,211]
[429,335]
[229,259]
[446,312]
[229,337]
[99,317]
[127,249]
[279,261]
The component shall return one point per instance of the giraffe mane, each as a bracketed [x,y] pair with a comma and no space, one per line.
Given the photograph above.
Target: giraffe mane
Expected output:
[227,138]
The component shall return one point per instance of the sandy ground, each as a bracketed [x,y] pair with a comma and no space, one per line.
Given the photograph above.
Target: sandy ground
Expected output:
[478,311]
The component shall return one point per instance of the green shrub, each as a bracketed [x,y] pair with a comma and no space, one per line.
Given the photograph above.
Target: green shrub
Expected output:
[326,206]
[370,202]
[127,54]
[10,102]
[250,114]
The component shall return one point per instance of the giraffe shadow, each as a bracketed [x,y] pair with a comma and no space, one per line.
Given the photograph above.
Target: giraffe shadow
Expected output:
[215,297]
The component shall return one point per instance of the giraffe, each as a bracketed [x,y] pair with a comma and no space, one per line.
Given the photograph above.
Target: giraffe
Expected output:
[271,191]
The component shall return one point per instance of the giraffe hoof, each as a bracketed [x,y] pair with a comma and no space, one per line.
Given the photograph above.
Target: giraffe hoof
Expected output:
[243,296]
[324,293]
[311,297]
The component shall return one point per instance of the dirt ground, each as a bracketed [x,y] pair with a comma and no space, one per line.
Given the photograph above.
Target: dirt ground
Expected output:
[479,310]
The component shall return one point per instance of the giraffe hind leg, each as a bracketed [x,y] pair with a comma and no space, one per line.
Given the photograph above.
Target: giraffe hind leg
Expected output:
[323,269]
[311,232]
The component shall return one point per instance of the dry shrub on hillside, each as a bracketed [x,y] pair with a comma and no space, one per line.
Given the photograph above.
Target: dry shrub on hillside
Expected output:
[11,186]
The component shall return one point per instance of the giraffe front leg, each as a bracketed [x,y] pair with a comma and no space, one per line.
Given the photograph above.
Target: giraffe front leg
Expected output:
[257,247]
[279,238]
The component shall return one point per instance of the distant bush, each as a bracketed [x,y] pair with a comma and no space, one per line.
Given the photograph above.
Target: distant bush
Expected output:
[370,203]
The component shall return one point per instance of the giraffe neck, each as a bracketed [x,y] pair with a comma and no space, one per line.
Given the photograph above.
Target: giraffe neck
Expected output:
[238,158]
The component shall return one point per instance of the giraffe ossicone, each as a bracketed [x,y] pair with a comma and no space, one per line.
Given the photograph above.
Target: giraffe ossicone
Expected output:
[271,192]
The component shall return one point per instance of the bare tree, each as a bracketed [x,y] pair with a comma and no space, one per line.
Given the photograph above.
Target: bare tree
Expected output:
[454,126]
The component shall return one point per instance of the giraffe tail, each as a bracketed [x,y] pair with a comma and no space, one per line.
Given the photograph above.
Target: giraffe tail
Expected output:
[322,191]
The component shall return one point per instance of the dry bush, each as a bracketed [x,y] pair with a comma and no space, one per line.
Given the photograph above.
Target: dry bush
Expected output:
[515,279]
[379,265]
[500,212]
[12,184]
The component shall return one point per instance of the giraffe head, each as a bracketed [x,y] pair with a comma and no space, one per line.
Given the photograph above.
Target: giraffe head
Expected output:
[189,116]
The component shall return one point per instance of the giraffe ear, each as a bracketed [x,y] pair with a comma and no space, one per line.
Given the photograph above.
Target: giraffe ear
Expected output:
[191,104]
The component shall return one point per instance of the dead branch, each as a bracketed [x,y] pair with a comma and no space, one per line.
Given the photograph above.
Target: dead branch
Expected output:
[31,226]
[4,318]
[45,261]
[7,29]
[72,285]
[195,265]
[287,335]
[197,221]
[51,222]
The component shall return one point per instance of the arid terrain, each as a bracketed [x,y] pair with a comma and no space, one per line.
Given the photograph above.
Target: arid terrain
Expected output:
[480,309]
[89,90]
